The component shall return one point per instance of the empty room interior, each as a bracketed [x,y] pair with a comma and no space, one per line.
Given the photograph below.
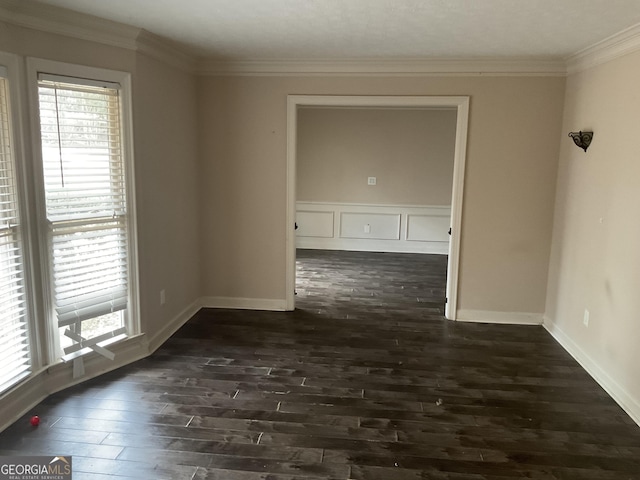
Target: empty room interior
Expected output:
[321,240]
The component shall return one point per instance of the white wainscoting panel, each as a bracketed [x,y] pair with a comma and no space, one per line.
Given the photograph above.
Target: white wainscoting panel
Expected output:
[315,224]
[428,228]
[376,228]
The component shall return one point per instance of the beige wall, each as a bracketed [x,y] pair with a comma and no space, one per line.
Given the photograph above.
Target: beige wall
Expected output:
[595,261]
[509,186]
[165,107]
[166,163]
[410,152]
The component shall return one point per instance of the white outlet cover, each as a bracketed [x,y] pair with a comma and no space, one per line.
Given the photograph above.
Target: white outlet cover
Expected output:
[371,180]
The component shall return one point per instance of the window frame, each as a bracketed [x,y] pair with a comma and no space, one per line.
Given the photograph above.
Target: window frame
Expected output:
[14,67]
[36,66]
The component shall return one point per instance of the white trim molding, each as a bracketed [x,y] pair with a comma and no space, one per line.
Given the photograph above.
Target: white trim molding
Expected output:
[622,43]
[460,103]
[268,304]
[24,396]
[508,318]
[165,51]
[61,21]
[387,228]
[387,67]
[621,396]
[173,325]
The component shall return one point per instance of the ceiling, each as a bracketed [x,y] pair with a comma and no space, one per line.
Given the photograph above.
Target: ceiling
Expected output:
[371,29]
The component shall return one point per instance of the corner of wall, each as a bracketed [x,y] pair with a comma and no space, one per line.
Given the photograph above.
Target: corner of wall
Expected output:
[622,397]
[28,394]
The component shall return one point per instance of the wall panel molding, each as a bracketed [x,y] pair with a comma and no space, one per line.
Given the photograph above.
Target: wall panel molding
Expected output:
[319,224]
[377,228]
[369,225]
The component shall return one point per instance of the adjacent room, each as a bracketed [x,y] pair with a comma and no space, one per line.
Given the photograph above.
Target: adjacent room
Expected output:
[466,273]
[374,180]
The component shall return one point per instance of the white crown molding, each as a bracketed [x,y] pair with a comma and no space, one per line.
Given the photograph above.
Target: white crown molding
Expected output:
[387,67]
[622,43]
[65,22]
[60,21]
[166,51]
[47,18]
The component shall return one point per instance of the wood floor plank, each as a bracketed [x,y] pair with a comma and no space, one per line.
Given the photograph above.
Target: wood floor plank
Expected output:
[201,453]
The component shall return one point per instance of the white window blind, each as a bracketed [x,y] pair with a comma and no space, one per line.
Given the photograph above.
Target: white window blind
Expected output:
[86,208]
[15,362]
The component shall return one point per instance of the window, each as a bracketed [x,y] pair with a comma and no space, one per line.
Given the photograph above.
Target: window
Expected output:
[69,216]
[15,358]
[86,204]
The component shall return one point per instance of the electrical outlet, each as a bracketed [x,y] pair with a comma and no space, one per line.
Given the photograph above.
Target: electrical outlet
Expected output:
[367,228]
[585,319]
[163,297]
[372,180]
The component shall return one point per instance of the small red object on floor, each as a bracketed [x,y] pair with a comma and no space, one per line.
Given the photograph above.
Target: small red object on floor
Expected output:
[35,420]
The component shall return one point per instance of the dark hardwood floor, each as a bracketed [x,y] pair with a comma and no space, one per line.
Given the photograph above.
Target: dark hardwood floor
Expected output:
[365,380]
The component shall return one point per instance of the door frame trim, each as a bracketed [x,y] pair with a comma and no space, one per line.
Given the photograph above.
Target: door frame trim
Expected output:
[461,103]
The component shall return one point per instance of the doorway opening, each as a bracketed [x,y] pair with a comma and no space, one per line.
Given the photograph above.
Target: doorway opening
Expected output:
[460,104]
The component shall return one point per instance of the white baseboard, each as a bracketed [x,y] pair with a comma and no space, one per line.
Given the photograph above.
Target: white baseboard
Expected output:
[622,397]
[27,394]
[487,316]
[59,376]
[19,400]
[172,327]
[244,303]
